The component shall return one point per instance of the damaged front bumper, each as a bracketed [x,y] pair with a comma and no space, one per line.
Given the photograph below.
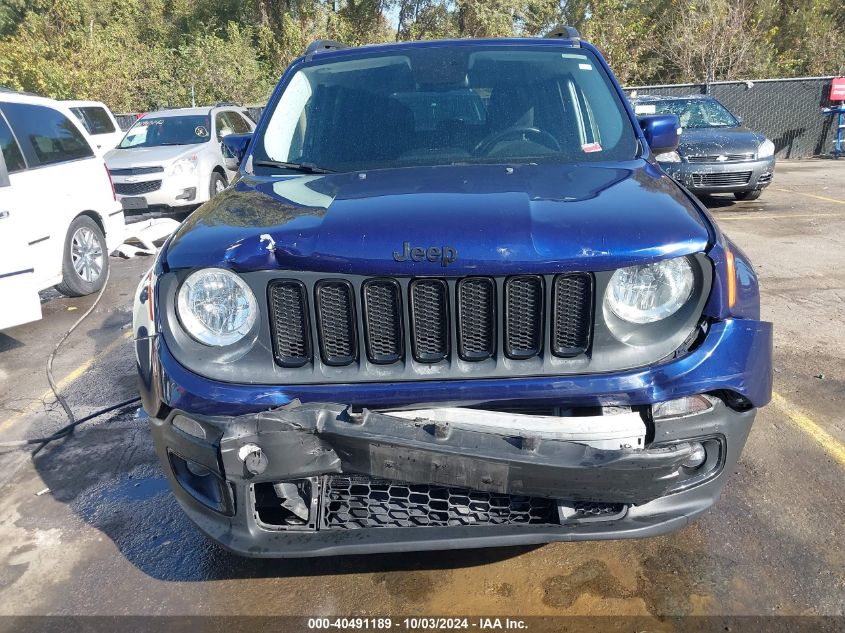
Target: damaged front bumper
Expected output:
[727,177]
[320,479]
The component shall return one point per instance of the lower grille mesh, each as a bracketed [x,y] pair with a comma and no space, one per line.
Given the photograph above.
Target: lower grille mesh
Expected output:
[354,502]
[136,188]
[721,179]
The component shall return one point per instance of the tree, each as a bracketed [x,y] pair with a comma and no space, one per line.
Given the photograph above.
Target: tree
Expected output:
[715,39]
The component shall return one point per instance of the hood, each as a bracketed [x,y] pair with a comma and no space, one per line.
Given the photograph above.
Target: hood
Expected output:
[486,219]
[712,141]
[142,156]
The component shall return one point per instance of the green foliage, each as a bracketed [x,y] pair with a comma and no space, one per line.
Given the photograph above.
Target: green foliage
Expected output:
[145,54]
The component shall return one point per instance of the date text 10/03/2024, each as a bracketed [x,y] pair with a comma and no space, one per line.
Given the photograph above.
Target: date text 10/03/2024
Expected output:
[417,624]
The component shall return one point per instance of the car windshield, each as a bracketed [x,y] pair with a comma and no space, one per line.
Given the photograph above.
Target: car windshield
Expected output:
[448,105]
[154,131]
[692,113]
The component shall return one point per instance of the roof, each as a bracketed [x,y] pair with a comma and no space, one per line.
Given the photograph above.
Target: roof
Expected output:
[199,111]
[26,97]
[392,46]
[82,103]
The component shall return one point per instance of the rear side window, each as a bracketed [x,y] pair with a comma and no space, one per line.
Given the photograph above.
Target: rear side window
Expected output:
[95,119]
[11,152]
[237,123]
[47,135]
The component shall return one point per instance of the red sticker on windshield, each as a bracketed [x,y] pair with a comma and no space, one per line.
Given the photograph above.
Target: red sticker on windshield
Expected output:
[591,147]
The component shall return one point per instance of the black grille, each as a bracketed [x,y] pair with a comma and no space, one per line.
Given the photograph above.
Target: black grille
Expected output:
[523,316]
[336,322]
[383,320]
[725,179]
[430,316]
[435,319]
[572,314]
[289,323]
[476,318]
[136,171]
[354,502]
[136,188]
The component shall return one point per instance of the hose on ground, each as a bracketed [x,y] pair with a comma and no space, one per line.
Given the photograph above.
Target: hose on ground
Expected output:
[41,442]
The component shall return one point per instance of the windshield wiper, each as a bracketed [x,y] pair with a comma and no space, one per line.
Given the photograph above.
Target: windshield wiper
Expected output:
[308,168]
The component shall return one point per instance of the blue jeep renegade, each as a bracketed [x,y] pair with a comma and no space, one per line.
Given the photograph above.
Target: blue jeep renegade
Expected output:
[450,301]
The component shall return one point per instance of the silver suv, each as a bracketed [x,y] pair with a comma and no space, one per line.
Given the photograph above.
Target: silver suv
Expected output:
[171,160]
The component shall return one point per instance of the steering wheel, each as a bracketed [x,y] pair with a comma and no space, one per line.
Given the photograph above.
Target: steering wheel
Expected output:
[487,144]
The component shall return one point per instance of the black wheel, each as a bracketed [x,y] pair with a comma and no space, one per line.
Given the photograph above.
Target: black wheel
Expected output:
[217,184]
[85,260]
[748,195]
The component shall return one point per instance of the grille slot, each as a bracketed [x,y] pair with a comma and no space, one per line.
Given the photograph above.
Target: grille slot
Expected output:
[355,502]
[476,318]
[136,188]
[714,158]
[383,320]
[336,322]
[289,323]
[430,320]
[523,316]
[571,314]
[725,179]
[135,171]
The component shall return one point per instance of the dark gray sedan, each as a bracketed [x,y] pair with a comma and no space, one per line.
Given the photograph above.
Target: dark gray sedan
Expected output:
[716,154]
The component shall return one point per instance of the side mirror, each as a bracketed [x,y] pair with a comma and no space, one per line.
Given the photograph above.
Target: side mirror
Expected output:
[662,132]
[234,148]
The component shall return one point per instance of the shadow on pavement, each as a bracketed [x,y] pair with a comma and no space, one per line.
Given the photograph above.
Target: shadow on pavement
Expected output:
[108,475]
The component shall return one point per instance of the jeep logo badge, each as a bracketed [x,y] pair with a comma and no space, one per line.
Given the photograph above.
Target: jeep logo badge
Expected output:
[445,254]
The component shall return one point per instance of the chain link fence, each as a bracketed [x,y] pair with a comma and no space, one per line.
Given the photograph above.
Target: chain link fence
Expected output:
[788,111]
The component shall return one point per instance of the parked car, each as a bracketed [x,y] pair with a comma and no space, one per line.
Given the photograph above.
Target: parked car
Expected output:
[99,123]
[171,160]
[388,338]
[717,154]
[59,217]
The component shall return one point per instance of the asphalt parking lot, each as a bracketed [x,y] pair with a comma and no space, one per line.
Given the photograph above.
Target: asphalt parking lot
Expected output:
[108,537]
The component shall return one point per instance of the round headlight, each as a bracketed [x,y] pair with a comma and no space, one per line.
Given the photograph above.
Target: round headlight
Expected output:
[216,307]
[648,293]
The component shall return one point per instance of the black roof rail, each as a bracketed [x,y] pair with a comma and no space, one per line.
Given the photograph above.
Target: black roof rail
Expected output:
[319,46]
[564,32]
[224,104]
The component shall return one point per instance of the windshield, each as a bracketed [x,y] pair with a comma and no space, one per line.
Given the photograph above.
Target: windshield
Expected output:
[153,131]
[693,113]
[448,105]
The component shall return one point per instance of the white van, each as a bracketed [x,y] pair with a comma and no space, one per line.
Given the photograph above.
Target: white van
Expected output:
[59,217]
[98,122]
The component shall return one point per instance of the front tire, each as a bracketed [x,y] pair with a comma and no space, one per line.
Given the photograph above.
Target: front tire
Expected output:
[217,184]
[748,195]
[86,259]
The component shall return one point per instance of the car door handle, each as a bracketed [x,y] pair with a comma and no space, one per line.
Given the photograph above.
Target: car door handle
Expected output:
[4,215]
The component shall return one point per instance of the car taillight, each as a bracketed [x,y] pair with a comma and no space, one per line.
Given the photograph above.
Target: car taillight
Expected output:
[111,184]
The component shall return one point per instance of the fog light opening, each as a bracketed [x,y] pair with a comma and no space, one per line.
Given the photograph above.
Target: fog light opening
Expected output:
[289,505]
[201,483]
[697,457]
